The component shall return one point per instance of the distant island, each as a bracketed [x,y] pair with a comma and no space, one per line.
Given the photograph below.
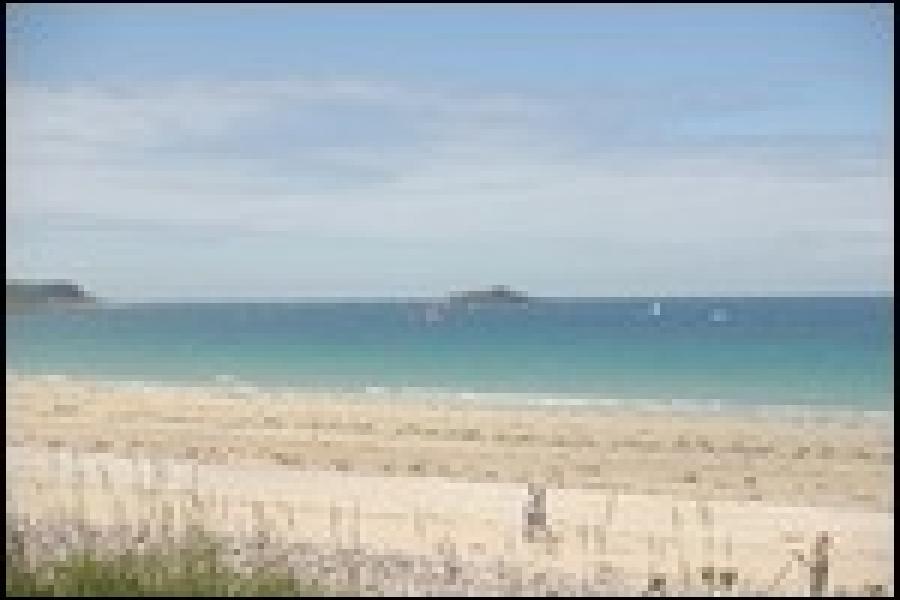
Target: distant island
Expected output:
[34,294]
[497,294]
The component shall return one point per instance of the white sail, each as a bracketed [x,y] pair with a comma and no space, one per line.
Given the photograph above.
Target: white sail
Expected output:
[719,315]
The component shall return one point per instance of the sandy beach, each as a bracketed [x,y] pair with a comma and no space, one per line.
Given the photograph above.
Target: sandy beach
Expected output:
[635,499]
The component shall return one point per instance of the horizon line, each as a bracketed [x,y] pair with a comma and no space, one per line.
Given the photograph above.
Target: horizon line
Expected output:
[432,298]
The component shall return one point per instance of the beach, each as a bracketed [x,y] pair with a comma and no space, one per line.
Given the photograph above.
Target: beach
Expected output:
[633,498]
[470,302]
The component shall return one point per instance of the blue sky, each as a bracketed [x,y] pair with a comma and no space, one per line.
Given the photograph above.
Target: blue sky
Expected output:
[259,151]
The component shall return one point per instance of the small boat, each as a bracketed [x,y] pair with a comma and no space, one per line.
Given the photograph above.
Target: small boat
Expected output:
[718,315]
[656,309]
[433,314]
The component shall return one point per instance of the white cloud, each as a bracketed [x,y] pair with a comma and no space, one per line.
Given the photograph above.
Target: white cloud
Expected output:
[477,174]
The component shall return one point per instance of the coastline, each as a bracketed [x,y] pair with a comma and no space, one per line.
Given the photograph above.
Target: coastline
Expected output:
[467,398]
[771,483]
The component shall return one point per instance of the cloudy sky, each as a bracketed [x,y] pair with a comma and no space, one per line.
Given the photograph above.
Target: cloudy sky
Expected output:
[283,151]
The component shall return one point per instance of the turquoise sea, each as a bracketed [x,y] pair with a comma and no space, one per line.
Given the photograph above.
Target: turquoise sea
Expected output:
[744,351]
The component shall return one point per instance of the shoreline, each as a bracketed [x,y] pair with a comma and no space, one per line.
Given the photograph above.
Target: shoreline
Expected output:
[464,398]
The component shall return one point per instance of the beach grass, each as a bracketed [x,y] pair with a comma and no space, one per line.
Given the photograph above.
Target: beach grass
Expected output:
[195,568]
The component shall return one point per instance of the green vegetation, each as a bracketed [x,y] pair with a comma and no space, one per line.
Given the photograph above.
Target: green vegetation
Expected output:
[26,294]
[189,570]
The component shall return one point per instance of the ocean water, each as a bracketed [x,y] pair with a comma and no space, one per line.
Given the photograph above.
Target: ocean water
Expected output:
[743,351]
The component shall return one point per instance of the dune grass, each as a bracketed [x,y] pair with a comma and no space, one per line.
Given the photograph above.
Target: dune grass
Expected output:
[197,569]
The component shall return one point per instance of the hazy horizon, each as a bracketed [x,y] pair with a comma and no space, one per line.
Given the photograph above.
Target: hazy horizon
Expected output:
[438,295]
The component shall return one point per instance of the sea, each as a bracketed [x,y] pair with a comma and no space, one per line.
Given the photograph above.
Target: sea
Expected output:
[812,352]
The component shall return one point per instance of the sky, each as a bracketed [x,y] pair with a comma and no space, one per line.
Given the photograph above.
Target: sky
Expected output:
[277,151]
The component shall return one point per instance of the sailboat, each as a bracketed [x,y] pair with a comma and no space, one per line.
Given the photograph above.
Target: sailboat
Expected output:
[718,315]
[656,309]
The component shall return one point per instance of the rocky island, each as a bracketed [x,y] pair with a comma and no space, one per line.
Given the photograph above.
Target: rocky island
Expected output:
[497,294]
[22,295]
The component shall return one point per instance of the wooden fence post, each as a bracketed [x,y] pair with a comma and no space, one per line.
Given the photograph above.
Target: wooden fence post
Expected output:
[818,568]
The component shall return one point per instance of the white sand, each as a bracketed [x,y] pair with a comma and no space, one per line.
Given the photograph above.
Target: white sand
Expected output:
[634,493]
